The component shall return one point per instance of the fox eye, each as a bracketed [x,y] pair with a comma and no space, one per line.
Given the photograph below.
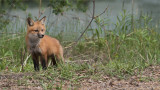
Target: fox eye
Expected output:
[35,30]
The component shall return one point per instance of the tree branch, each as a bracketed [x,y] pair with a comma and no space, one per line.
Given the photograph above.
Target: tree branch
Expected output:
[93,17]
[89,22]
[102,12]
[40,9]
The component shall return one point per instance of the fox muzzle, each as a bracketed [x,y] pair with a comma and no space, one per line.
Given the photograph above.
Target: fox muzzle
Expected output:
[40,35]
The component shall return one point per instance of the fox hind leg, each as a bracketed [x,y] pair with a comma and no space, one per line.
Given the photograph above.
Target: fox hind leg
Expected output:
[54,63]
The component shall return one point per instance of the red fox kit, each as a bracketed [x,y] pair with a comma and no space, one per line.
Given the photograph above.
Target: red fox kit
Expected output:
[41,46]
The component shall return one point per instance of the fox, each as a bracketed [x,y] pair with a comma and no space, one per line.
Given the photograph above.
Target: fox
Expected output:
[42,47]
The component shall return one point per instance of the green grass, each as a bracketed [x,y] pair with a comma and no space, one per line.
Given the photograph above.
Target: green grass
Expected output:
[121,53]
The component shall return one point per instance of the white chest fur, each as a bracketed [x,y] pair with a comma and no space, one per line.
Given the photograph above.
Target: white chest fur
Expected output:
[33,43]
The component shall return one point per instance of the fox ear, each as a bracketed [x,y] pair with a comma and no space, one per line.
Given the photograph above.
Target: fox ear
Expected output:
[30,22]
[43,20]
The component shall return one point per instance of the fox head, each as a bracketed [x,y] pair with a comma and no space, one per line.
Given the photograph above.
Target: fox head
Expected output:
[36,28]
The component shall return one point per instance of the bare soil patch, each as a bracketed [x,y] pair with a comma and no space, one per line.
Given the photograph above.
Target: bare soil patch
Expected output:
[149,79]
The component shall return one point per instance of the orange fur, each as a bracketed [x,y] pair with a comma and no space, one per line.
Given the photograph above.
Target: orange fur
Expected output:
[41,46]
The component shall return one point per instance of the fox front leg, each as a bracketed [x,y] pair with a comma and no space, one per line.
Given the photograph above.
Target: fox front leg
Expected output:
[44,62]
[36,62]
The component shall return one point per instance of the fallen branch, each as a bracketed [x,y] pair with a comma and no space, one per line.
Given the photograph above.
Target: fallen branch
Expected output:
[25,62]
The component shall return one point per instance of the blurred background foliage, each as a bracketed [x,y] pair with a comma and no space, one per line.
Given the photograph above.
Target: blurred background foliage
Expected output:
[58,7]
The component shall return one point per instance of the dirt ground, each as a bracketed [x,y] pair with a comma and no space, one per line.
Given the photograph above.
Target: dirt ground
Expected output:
[148,80]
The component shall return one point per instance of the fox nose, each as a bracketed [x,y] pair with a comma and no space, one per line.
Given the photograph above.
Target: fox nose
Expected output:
[41,35]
